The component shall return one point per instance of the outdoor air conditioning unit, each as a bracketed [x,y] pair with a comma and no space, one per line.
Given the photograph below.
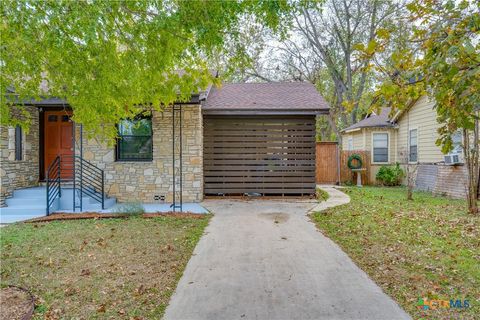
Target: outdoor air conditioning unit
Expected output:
[453,159]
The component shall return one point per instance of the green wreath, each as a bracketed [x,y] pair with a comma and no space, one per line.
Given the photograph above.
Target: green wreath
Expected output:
[354,157]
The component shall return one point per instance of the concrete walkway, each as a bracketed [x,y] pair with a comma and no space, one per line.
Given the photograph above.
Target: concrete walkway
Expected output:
[264,259]
[336,198]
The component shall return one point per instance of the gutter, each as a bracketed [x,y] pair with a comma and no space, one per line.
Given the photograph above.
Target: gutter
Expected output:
[264,111]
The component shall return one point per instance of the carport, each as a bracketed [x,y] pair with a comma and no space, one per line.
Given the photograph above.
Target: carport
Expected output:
[259,138]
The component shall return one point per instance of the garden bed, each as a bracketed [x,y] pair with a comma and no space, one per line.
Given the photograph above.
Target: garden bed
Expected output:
[95,215]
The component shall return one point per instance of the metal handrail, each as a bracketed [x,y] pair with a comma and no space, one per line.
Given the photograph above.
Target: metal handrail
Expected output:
[86,177]
[90,179]
[53,178]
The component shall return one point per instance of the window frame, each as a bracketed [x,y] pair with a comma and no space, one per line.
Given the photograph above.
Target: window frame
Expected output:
[460,144]
[117,146]
[372,154]
[350,143]
[410,145]
[18,143]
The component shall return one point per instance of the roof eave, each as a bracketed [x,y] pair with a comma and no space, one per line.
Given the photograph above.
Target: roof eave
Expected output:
[264,111]
[348,130]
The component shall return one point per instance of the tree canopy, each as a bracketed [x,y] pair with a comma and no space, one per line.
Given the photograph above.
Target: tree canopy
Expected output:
[443,63]
[112,59]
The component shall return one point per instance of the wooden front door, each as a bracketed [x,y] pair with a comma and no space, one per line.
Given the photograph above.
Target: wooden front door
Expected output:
[58,140]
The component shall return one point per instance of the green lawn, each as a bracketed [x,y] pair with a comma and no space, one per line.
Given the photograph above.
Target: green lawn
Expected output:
[429,247]
[92,269]
[322,195]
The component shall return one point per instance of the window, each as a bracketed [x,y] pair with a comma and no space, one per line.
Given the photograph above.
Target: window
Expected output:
[412,143]
[18,143]
[457,142]
[380,147]
[135,140]
[350,143]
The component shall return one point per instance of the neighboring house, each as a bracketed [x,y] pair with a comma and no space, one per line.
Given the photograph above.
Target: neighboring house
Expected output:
[409,137]
[253,138]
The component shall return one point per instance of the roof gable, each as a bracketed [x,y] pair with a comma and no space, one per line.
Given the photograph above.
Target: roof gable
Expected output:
[373,120]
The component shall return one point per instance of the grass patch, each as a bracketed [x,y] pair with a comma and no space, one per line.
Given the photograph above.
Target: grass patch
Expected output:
[97,269]
[429,247]
[322,195]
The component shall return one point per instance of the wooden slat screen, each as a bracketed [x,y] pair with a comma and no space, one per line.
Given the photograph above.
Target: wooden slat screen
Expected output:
[262,154]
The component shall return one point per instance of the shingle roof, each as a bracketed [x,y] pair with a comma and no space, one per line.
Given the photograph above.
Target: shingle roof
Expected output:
[373,120]
[274,96]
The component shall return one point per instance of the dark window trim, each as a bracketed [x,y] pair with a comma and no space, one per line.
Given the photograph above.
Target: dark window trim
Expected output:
[117,145]
[18,143]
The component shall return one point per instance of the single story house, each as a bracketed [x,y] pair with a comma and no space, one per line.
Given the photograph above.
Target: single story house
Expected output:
[237,139]
[409,137]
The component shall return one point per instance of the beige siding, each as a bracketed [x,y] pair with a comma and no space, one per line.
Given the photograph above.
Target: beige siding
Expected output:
[362,140]
[392,142]
[422,117]
[357,137]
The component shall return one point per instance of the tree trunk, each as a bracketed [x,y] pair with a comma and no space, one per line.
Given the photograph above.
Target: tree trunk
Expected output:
[470,150]
[409,193]
[411,178]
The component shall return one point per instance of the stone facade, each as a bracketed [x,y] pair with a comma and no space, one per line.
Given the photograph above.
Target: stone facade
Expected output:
[23,173]
[142,181]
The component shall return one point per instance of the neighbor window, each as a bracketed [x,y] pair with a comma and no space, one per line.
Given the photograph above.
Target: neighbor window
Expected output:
[380,147]
[350,143]
[457,142]
[18,143]
[135,140]
[413,152]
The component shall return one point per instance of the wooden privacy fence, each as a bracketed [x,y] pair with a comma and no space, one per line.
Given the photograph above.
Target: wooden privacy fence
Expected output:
[346,174]
[327,162]
[330,161]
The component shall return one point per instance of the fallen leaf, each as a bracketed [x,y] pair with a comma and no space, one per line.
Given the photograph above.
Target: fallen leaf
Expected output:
[85,272]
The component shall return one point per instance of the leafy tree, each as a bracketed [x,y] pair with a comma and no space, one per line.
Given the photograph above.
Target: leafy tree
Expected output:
[112,59]
[446,66]
[321,47]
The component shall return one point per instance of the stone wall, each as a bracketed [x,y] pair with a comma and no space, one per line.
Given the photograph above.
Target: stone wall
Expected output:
[141,181]
[23,173]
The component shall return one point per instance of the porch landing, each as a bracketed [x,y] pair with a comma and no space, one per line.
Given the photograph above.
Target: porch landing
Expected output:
[30,203]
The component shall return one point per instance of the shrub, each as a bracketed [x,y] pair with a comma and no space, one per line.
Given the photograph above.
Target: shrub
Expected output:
[130,208]
[390,175]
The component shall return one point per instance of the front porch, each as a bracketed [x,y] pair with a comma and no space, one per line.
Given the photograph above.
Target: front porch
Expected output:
[29,203]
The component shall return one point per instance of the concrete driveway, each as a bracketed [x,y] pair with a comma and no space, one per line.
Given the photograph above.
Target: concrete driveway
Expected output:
[264,259]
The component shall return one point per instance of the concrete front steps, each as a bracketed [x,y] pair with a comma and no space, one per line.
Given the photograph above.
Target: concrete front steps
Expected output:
[31,203]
